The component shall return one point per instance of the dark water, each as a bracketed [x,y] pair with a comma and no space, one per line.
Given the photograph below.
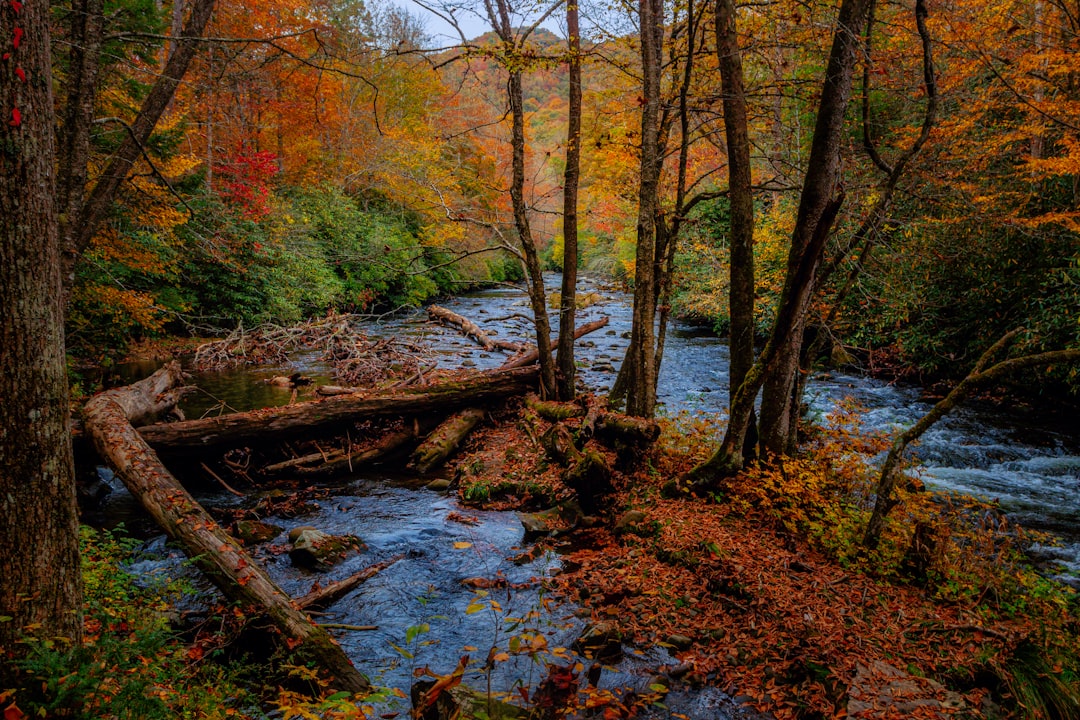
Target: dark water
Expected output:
[426,616]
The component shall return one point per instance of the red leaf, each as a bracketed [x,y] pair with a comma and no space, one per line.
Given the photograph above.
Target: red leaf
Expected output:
[16,5]
[16,118]
[18,37]
[21,73]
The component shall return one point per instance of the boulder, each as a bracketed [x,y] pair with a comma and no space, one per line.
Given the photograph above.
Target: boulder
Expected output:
[313,549]
[253,532]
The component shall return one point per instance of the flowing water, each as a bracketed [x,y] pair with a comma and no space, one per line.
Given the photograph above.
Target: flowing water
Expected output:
[425,615]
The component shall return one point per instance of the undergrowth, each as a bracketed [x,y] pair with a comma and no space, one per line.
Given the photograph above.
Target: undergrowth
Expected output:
[1025,627]
[134,663]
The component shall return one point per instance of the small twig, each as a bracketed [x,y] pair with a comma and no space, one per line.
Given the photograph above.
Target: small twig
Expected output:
[342,626]
[219,479]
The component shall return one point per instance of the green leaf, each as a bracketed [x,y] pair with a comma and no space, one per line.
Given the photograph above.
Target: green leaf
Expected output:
[402,651]
[412,631]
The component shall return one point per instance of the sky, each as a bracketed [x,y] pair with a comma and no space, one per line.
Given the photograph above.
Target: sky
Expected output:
[471,17]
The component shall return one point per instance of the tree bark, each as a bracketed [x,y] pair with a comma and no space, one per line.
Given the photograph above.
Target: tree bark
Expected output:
[224,561]
[438,446]
[567,370]
[741,196]
[271,424]
[39,550]
[640,363]
[821,190]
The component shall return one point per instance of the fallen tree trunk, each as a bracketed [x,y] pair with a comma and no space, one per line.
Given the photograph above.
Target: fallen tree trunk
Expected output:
[533,355]
[439,444]
[640,432]
[269,424]
[216,553]
[553,410]
[336,590]
[467,327]
[471,330]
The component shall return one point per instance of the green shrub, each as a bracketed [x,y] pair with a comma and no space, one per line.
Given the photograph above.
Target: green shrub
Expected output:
[131,664]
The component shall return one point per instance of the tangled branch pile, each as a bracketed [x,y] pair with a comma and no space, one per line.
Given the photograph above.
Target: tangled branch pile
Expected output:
[356,358]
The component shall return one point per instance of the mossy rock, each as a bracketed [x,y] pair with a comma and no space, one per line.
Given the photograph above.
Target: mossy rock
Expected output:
[314,549]
[253,532]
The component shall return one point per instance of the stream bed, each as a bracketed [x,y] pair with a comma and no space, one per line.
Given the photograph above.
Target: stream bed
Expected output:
[423,612]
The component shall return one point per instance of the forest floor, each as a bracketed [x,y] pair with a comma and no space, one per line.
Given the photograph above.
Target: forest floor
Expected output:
[763,589]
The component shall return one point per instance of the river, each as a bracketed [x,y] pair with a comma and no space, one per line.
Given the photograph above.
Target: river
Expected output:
[426,616]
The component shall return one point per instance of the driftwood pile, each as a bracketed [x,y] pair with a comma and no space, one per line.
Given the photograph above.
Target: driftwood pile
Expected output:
[357,359]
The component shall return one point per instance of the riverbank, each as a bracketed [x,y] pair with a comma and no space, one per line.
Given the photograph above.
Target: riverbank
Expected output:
[764,592]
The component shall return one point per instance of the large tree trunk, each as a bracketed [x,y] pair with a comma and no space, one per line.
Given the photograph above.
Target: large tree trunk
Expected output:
[224,561]
[821,189]
[818,206]
[271,424]
[84,59]
[639,371]
[741,196]
[39,550]
[566,370]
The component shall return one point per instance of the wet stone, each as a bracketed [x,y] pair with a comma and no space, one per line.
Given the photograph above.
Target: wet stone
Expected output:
[316,550]
[601,641]
[253,532]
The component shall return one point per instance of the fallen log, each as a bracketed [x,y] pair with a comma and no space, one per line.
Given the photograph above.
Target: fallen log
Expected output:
[553,410]
[439,444]
[471,330]
[270,424]
[331,390]
[523,359]
[213,550]
[336,590]
[467,327]
[633,431]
